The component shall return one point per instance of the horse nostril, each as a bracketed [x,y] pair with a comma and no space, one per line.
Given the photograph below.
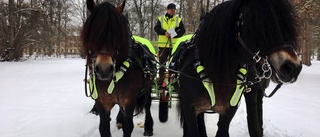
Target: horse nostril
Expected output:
[288,68]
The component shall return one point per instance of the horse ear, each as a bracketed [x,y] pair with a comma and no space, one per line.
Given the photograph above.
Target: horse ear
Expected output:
[90,5]
[120,7]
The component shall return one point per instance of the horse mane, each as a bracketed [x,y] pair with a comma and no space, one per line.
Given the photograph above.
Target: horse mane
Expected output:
[272,24]
[267,24]
[105,29]
[217,48]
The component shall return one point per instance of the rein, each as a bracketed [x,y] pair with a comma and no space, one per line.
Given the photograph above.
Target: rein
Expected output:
[91,80]
[85,82]
[273,91]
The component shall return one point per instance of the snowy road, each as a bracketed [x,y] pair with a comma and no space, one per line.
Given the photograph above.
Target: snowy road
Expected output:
[45,97]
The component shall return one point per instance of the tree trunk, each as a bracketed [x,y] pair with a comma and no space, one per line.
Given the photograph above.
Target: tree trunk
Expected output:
[318,54]
[10,49]
[59,29]
[138,7]
[152,21]
[305,46]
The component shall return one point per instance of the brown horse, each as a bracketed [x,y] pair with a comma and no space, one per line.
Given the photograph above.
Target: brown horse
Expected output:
[212,66]
[120,72]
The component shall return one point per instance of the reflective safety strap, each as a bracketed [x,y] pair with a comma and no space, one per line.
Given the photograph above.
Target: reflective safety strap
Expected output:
[161,21]
[118,75]
[93,87]
[239,88]
[207,84]
[177,21]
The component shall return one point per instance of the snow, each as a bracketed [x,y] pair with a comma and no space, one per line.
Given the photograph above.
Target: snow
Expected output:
[45,97]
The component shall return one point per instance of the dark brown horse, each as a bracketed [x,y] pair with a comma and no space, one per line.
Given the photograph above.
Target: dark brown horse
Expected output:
[120,72]
[213,65]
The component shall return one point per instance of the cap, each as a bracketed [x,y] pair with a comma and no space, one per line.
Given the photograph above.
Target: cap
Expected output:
[171,6]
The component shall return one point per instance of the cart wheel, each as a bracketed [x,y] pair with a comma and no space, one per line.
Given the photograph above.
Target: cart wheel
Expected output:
[163,108]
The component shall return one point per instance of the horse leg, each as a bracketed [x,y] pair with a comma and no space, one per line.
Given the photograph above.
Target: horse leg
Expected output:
[119,119]
[104,126]
[190,122]
[148,123]
[224,122]
[201,125]
[127,124]
[185,128]
[94,110]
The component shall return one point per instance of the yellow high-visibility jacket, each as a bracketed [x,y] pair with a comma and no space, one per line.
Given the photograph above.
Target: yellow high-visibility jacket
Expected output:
[167,24]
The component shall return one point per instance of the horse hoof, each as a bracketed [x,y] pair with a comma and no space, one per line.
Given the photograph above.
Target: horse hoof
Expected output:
[119,125]
[148,133]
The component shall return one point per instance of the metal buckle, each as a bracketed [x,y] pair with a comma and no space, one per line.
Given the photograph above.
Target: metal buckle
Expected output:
[256,56]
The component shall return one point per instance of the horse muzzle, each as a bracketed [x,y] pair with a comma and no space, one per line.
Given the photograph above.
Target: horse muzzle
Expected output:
[104,67]
[286,66]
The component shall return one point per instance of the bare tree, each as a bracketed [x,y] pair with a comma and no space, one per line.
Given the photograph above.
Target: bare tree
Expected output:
[11,54]
[142,15]
[43,25]
[308,18]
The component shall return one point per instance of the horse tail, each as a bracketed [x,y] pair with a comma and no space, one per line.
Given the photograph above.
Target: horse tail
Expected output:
[180,112]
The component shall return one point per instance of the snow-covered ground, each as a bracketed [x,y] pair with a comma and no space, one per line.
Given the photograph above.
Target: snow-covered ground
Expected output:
[45,97]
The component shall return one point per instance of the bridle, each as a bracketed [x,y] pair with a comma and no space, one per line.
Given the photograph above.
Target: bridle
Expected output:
[256,56]
[90,66]
[258,60]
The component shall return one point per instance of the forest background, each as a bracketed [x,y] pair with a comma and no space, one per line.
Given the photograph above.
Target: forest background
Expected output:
[49,24]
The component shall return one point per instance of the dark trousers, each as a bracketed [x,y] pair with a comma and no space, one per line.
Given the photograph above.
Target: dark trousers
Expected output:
[164,56]
[254,111]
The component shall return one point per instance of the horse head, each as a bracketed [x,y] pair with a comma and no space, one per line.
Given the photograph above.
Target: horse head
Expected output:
[105,38]
[266,30]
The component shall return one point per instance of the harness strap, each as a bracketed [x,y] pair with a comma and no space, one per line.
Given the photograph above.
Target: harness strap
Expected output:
[161,21]
[273,92]
[118,75]
[241,76]
[92,83]
[206,83]
[93,87]
[177,21]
